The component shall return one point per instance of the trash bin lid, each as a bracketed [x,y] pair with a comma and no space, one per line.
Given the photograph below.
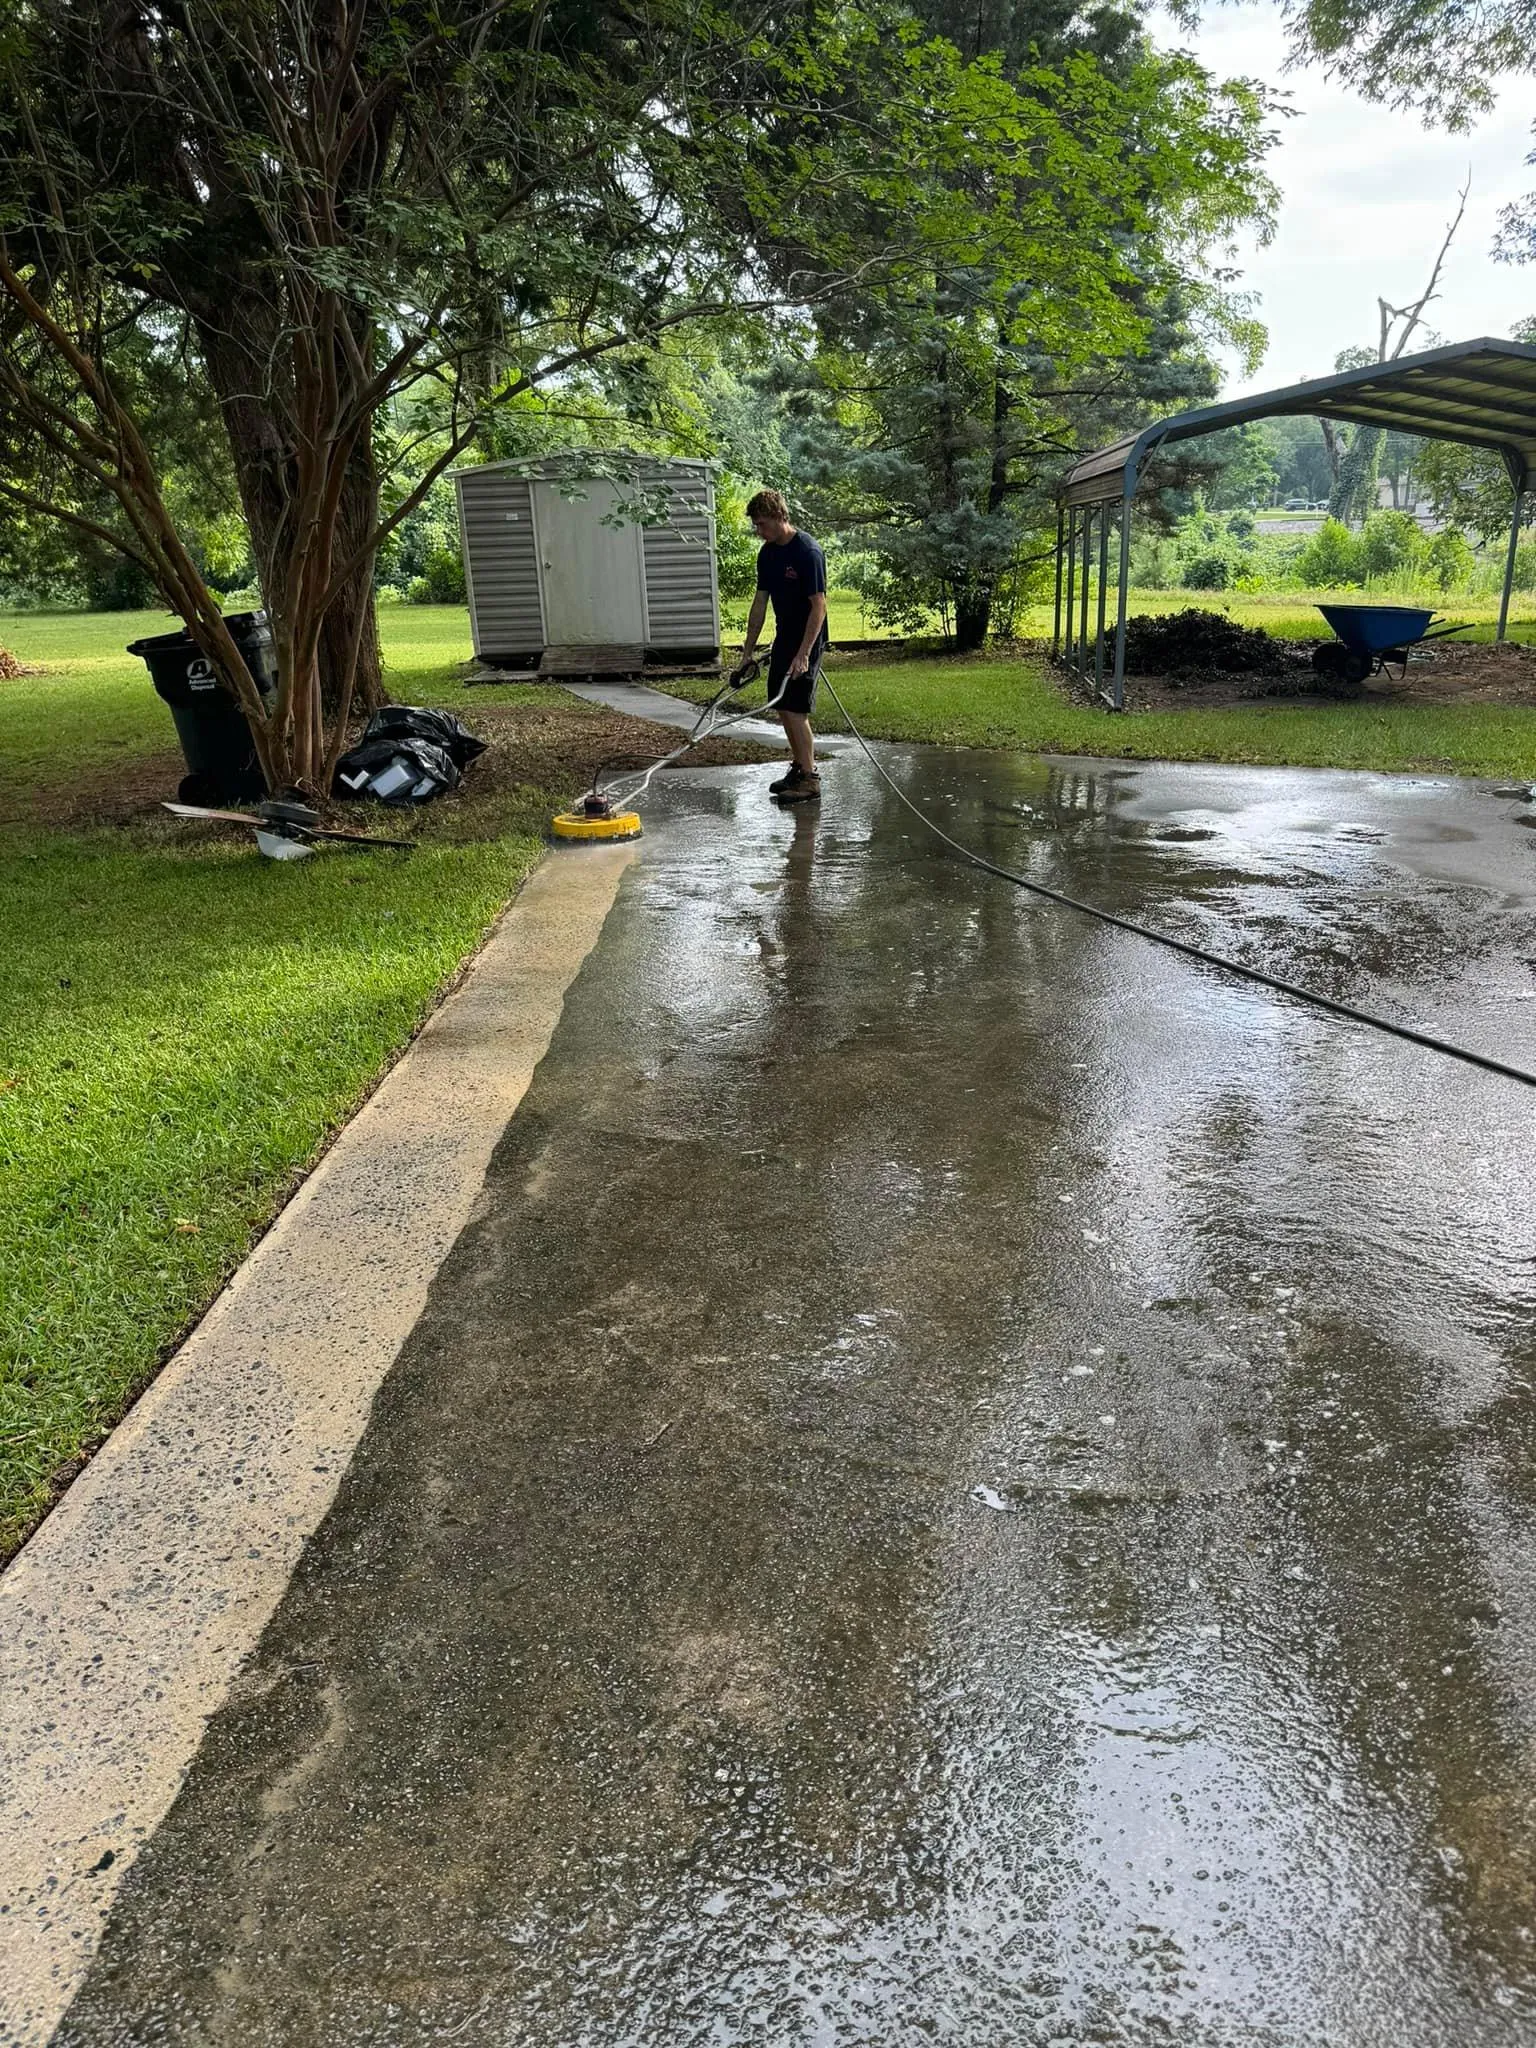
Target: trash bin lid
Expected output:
[157,641]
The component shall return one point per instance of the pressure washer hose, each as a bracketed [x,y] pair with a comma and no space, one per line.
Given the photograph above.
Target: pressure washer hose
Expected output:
[1191,952]
[706,726]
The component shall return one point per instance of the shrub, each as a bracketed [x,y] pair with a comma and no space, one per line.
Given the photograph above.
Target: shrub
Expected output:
[1390,544]
[114,584]
[1331,558]
[441,581]
[736,545]
[1207,572]
[1449,560]
[1154,560]
[445,576]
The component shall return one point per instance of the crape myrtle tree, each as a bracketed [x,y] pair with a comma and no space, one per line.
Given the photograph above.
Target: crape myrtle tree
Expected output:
[326,205]
[939,411]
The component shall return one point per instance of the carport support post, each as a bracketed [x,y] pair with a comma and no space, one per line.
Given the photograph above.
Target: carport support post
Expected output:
[1071,582]
[1098,645]
[1117,688]
[1509,560]
[1061,515]
[1082,637]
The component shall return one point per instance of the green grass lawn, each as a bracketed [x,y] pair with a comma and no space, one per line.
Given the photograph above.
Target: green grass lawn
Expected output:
[182,1027]
[845,616]
[993,700]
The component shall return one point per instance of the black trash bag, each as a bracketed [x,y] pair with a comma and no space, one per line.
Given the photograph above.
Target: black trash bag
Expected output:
[396,771]
[437,728]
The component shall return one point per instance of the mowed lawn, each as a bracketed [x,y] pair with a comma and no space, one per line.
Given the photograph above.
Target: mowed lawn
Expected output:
[182,1027]
[992,700]
[985,702]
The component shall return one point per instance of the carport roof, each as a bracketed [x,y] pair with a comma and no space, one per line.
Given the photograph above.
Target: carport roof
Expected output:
[1479,392]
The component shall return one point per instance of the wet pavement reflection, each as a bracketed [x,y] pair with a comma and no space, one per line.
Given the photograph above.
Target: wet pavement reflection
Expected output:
[971,1481]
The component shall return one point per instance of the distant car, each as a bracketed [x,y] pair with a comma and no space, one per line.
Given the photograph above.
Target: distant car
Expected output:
[1296,505]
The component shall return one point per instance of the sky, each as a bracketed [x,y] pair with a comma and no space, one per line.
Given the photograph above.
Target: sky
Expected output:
[1366,197]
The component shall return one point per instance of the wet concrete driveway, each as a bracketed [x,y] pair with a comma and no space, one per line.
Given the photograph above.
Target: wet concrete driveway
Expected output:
[971,1482]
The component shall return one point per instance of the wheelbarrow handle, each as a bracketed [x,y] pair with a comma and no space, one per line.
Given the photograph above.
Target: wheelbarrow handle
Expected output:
[1440,631]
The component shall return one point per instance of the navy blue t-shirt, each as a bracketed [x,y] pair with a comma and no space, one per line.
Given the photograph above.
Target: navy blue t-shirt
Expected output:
[792,572]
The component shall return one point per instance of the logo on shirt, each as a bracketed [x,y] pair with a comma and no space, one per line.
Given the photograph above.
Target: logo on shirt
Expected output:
[791,575]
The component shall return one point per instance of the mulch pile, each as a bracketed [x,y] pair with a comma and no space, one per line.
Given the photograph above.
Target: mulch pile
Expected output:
[1207,656]
[11,669]
[1194,645]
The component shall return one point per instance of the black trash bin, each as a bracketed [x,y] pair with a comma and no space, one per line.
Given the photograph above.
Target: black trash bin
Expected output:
[220,754]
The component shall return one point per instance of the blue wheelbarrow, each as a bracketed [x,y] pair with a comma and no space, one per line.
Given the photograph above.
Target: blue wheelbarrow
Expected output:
[1370,636]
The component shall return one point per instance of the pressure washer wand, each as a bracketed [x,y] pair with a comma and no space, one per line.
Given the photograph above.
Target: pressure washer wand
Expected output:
[609,814]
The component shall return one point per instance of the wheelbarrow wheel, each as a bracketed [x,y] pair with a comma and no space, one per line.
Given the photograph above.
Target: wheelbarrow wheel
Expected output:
[1341,671]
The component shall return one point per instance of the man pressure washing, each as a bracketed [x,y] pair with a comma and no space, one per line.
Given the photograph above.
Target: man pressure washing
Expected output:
[792,574]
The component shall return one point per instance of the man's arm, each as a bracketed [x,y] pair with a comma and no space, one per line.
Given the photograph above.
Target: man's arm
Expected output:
[755,619]
[813,626]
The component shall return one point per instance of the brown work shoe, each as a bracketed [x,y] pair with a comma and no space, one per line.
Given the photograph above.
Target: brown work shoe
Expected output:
[798,788]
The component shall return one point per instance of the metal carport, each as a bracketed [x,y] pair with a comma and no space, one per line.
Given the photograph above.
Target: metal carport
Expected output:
[1480,392]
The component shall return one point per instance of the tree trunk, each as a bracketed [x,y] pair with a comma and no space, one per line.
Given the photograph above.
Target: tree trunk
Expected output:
[1331,443]
[359,516]
[238,367]
[973,615]
[1354,490]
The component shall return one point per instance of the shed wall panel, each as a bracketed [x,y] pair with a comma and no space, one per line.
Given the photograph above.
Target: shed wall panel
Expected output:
[501,562]
[680,596]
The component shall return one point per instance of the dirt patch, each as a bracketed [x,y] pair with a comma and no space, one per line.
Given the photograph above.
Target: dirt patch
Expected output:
[1468,675]
[542,749]
[1443,673]
[536,751]
[12,670]
[107,795]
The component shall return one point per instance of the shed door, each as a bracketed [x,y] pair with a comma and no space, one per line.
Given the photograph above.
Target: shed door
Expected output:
[592,587]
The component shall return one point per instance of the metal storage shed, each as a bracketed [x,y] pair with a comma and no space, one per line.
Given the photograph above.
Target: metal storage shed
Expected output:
[1480,392]
[547,576]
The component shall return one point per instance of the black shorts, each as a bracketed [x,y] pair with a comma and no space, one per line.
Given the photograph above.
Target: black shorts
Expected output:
[799,695]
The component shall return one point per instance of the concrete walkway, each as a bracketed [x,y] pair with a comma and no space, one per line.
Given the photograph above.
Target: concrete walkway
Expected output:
[125,1619]
[639,700]
[966,1481]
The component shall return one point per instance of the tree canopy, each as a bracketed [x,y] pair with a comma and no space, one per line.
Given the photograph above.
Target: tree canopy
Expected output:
[331,203]
[318,248]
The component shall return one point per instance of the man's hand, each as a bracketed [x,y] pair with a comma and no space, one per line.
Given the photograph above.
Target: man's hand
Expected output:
[802,660]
